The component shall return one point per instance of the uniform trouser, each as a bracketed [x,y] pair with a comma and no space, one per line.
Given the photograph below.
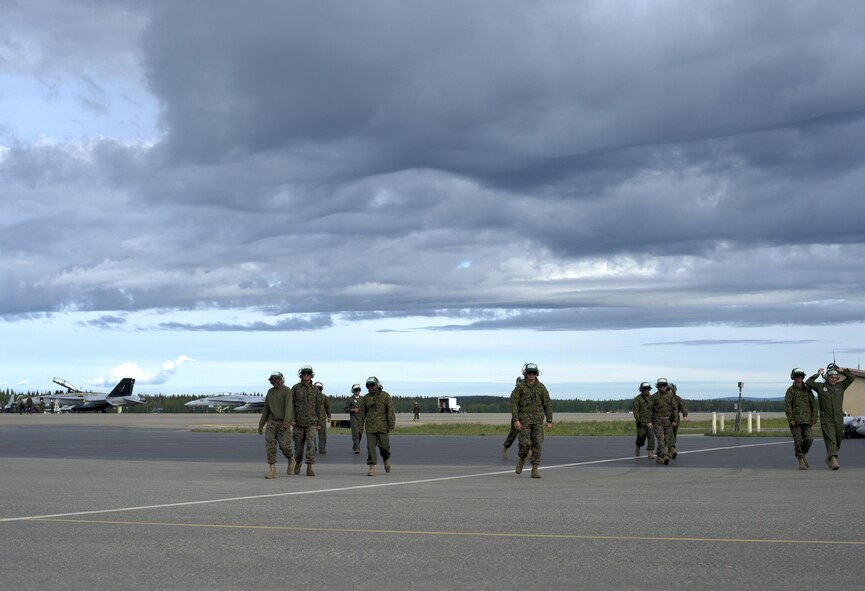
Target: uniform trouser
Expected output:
[304,436]
[832,426]
[512,436]
[416,416]
[380,440]
[644,433]
[322,436]
[802,439]
[356,433]
[663,431]
[277,433]
[674,435]
[532,438]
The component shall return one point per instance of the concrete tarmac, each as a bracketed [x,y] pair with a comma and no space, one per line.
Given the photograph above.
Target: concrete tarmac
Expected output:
[165,508]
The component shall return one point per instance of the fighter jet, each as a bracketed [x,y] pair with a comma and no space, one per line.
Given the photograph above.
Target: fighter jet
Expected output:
[76,400]
[854,427]
[236,402]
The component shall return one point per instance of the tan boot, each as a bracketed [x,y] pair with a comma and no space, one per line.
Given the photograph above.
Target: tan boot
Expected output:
[309,470]
[291,464]
[673,452]
[297,466]
[659,460]
[387,465]
[651,454]
[802,465]
[504,453]
[371,470]
[520,463]
[272,474]
[637,450]
[833,463]
[535,473]
[807,465]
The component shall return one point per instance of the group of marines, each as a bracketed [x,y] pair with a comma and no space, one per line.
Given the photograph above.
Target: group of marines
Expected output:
[293,420]
[658,417]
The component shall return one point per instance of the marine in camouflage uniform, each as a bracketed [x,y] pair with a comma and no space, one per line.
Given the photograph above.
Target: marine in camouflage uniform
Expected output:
[681,414]
[377,415]
[663,419]
[801,409]
[276,419]
[512,435]
[322,430]
[308,415]
[352,406]
[830,397]
[642,412]
[530,405]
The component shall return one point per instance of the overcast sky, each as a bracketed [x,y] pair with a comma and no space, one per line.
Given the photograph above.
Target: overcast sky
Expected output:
[435,192]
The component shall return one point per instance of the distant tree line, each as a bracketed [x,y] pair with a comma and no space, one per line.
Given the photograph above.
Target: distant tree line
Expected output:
[174,403]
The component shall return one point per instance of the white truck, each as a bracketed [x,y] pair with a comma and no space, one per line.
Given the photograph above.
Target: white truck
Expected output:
[449,404]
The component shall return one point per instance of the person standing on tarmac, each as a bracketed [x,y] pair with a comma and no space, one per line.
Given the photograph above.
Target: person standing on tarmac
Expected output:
[513,434]
[681,414]
[530,405]
[322,428]
[663,419]
[378,416]
[642,412]
[416,411]
[308,416]
[801,409]
[352,407]
[830,397]
[277,417]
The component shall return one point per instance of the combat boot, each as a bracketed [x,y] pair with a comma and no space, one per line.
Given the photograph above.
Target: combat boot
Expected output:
[651,453]
[371,470]
[272,474]
[297,465]
[833,463]
[802,464]
[309,470]
[659,459]
[291,464]
[804,459]
[387,465]
[520,463]
[673,452]
[504,453]
[637,451]
[535,473]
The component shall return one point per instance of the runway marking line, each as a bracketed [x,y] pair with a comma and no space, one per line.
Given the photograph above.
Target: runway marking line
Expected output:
[455,534]
[362,486]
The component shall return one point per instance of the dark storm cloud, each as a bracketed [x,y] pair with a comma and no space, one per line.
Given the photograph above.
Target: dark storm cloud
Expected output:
[613,165]
[315,322]
[107,321]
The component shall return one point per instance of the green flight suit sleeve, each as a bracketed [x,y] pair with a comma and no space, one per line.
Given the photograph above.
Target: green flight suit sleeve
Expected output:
[326,406]
[812,382]
[850,377]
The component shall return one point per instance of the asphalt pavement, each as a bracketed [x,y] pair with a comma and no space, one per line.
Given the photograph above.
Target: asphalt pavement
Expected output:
[145,508]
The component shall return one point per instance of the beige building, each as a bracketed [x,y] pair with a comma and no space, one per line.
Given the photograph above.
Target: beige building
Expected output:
[854,396]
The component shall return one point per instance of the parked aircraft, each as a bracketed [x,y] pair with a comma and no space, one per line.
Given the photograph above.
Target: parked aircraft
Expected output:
[76,400]
[236,402]
[854,427]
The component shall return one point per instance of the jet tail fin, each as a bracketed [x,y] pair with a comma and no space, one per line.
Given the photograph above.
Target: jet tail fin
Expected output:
[123,388]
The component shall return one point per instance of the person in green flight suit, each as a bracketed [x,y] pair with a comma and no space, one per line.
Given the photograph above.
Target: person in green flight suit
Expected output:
[830,398]
[308,416]
[352,406]
[276,419]
[322,428]
[377,415]
[530,406]
[642,413]
[801,410]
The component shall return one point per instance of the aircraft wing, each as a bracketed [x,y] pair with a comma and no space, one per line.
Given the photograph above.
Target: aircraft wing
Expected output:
[233,401]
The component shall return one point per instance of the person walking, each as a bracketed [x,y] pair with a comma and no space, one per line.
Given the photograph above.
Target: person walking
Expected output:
[513,433]
[530,405]
[801,410]
[642,412]
[377,415]
[663,419]
[681,414]
[352,406]
[830,398]
[416,411]
[275,422]
[308,416]
[322,428]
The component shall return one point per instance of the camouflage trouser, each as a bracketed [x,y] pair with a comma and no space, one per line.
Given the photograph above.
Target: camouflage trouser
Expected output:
[644,433]
[802,439]
[322,436]
[532,438]
[304,436]
[274,434]
[380,440]
[356,433]
[512,436]
[663,432]
[674,436]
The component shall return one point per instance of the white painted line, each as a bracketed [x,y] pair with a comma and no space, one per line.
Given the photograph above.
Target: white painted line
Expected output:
[364,486]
